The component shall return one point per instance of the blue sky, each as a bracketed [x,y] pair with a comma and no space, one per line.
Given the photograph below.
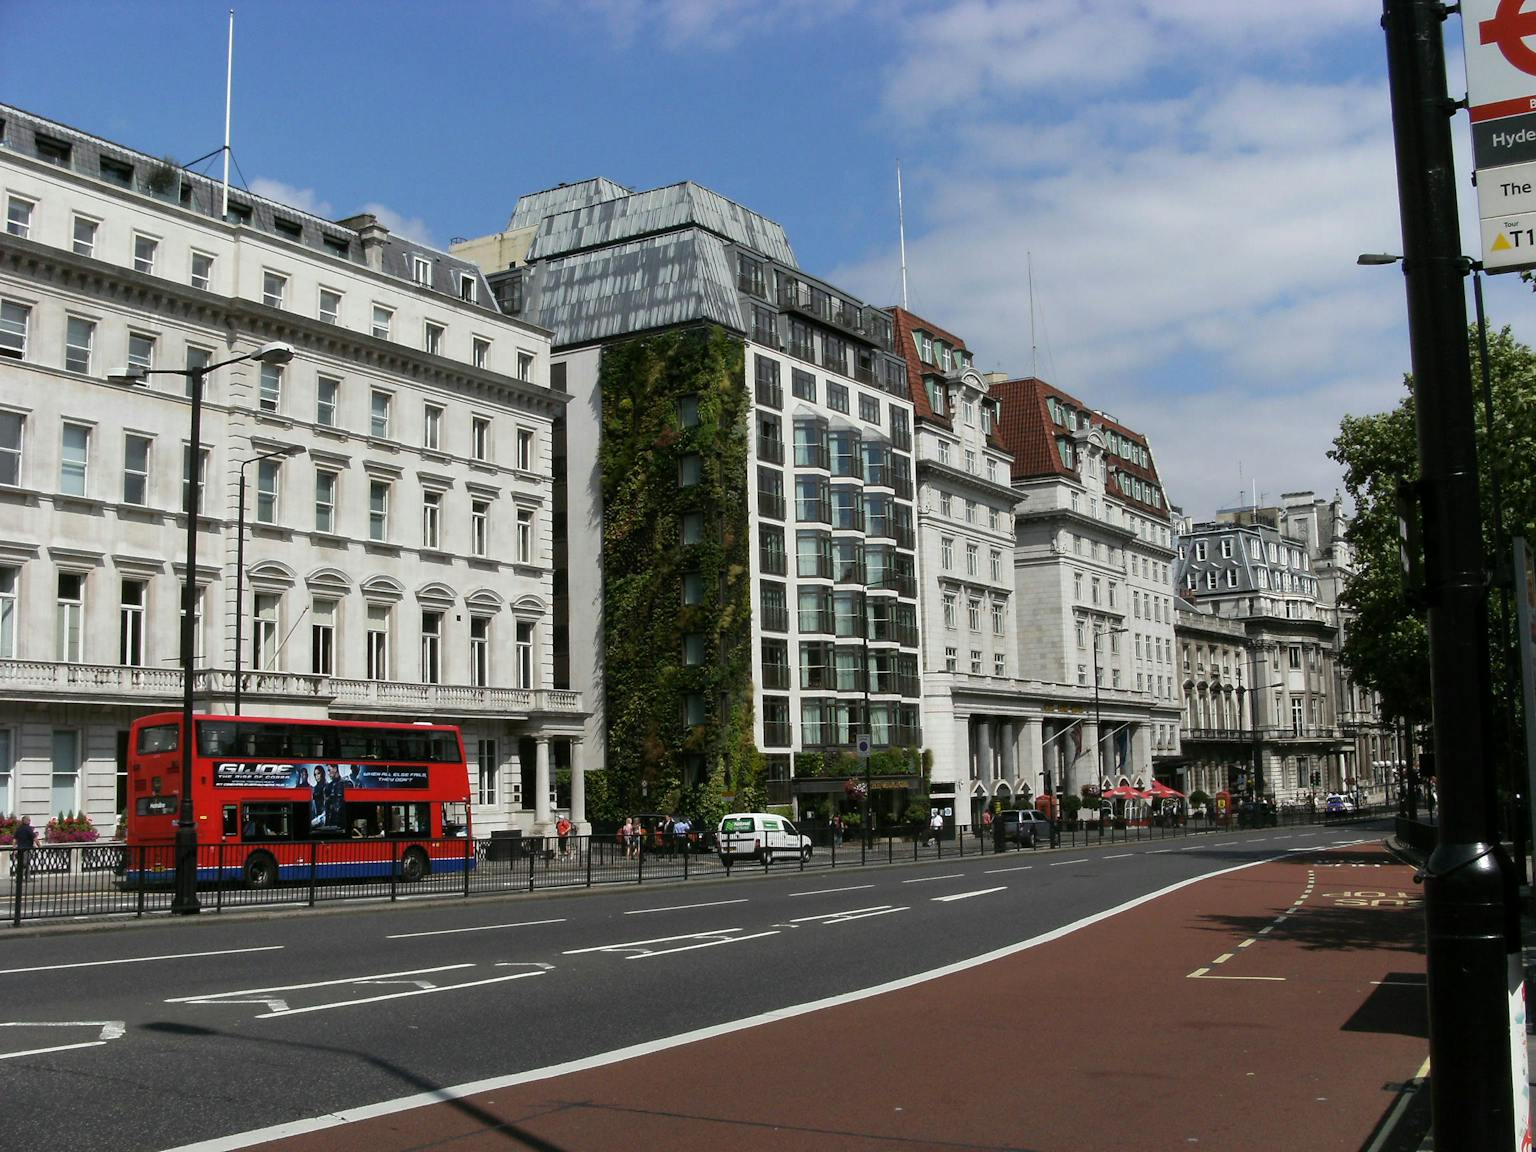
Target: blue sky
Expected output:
[1188,180]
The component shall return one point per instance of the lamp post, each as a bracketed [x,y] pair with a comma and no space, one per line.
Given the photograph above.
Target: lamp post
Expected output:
[185,900]
[290,450]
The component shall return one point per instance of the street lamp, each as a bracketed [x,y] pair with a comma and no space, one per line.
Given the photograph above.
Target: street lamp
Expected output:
[290,450]
[185,901]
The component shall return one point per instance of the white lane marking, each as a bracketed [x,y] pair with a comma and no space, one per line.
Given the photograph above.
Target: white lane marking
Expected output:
[140,959]
[643,947]
[946,876]
[1060,863]
[705,944]
[995,871]
[1257,839]
[1223,958]
[1405,1097]
[968,895]
[110,1030]
[1287,836]
[284,1130]
[478,928]
[208,997]
[1159,851]
[285,1011]
[684,907]
[834,915]
[1205,974]
[1119,855]
[1192,848]
[872,912]
[830,891]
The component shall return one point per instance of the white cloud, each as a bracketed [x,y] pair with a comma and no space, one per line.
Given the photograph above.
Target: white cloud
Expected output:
[304,199]
[308,200]
[711,24]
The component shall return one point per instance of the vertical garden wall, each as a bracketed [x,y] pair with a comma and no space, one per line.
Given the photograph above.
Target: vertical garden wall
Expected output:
[676,576]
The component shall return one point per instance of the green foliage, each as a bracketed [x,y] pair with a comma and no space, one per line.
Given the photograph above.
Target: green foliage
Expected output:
[1199,799]
[644,560]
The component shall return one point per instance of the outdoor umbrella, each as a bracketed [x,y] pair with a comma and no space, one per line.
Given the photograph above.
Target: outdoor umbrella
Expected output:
[1161,791]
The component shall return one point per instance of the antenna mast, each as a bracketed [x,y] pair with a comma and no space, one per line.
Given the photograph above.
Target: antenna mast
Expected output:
[901,228]
[229,83]
[1034,360]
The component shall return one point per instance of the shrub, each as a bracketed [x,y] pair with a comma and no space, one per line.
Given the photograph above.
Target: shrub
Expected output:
[67,829]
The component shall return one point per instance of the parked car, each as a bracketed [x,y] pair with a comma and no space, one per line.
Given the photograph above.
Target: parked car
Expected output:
[760,836]
[1257,814]
[1025,827]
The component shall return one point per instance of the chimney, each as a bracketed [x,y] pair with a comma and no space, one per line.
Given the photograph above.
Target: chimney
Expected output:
[371,234]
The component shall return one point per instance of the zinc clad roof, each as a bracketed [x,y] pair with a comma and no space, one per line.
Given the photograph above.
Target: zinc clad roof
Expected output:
[677,206]
[656,282]
[532,208]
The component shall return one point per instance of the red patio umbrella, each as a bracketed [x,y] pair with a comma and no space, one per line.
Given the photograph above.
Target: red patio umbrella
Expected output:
[1161,791]
[1123,792]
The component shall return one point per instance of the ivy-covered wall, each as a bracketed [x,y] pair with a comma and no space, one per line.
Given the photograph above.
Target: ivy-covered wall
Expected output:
[647,681]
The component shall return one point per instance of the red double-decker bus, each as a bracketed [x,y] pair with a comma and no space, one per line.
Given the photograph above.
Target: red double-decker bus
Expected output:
[284,799]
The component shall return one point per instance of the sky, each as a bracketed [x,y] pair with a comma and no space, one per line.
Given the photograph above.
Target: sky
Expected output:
[1156,205]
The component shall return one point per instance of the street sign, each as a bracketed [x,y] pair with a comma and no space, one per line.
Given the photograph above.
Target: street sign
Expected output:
[1499,40]
[863,743]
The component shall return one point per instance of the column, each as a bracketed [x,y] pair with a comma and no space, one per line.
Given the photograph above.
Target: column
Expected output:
[1032,758]
[1140,746]
[986,770]
[578,789]
[1084,764]
[1008,735]
[541,784]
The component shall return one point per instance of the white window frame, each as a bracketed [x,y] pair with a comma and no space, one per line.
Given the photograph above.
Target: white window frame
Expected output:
[525,449]
[379,493]
[18,215]
[432,519]
[376,641]
[270,388]
[71,465]
[136,477]
[480,651]
[87,246]
[325,409]
[146,249]
[15,328]
[378,426]
[268,492]
[523,647]
[525,535]
[322,635]
[327,484]
[480,438]
[69,620]
[480,352]
[203,281]
[433,336]
[432,646]
[479,527]
[383,321]
[329,315]
[10,616]
[432,427]
[131,616]
[274,288]
[77,353]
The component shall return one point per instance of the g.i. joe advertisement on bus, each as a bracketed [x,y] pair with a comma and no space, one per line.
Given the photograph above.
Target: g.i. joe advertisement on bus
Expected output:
[326,777]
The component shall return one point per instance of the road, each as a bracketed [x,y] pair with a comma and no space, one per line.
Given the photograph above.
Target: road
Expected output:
[155,1036]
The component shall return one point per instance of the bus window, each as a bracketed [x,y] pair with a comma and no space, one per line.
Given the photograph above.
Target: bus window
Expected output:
[268,821]
[455,819]
[231,824]
[160,738]
[215,738]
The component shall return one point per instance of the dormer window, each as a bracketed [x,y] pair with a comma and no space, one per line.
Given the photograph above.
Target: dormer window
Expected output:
[467,288]
[421,271]
[292,229]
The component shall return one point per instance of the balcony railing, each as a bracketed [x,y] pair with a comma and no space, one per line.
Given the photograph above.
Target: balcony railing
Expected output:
[47,681]
[770,451]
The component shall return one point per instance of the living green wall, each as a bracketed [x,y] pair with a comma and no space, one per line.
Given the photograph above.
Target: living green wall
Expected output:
[644,558]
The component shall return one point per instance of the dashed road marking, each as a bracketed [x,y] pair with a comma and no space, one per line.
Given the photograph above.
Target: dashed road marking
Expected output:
[830,891]
[925,879]
[683,907]
[1061,863]
[968,895]
[477,928]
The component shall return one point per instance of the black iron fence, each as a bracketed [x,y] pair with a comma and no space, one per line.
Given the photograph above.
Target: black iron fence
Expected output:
[113,880]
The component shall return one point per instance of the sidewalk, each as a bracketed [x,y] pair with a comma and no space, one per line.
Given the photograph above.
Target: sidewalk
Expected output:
[1276,1007]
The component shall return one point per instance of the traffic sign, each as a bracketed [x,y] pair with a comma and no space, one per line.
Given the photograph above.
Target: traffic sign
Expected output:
[1499,40]
[863,743]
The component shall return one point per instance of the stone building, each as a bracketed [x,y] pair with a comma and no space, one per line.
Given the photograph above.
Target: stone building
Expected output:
[396,473]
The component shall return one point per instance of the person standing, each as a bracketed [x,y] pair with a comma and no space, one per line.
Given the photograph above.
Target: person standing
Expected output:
[563,833]
[935,825]
[26,840]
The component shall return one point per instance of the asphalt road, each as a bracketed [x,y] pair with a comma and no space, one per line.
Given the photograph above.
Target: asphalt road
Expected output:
[156,1036]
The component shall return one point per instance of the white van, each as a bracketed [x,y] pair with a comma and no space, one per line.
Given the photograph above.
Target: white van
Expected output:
[760,836]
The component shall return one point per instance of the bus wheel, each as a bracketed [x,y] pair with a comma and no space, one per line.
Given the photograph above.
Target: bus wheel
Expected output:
[260,871]
[413,865]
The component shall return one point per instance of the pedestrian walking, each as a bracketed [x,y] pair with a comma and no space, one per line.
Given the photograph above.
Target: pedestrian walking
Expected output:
[26,839]
[563,834]
[837,828]
[935,826]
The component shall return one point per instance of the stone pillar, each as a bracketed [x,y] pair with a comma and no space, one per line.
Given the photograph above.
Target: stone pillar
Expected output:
[1008,735]
[578,789]
[541,819]
[1084,766]
[986,770]
[1141,750]
[1031,760]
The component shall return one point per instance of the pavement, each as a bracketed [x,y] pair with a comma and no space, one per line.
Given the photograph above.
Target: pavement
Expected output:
[1275,1006]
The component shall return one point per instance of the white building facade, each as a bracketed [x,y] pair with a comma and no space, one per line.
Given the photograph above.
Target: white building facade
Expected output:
[396,476]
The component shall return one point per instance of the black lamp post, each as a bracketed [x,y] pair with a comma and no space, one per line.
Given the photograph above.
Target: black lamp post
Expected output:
[290,450]
[185,900]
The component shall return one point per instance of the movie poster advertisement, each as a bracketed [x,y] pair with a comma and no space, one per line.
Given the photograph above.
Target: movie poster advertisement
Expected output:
[317,776]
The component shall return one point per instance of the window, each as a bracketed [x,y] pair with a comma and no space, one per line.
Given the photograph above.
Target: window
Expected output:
[480,437]
[382,318]
[869,408]
[431,427]
[943,451]
[486,770]
[688,411]
[432,342]
[946,553]
[330,306]
[378,510]
[525,536]
[69,635]
[1293,654]
[378,415]
[130,624]
[431,647]
[480,651]
[803,384]
[973,614]
[18,216]
[689,469]
[8,598]
[997,620]
[467,288]
[691,527]
[480,352]
[421,270]
[266,492]
[270,398]
[693,583]
[65,793]
[431,519]
[971,558]
[326,390]
[950,604]
[975,662]
[135,468]
[377,642]
[997,566]
[524,649]
[10,448]
[837,397]
[479,526]
[80,335]
[84,239]
[144,251]
[202,271]
[74,458]
[14,320]
[322,637]
[273,288]
[950,659]
[524,365]
[325,500]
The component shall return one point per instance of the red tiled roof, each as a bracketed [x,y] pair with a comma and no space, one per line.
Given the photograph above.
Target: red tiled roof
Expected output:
[1027,430]
[906,322]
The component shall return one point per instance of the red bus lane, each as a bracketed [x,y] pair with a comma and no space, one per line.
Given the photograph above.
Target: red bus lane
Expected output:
[1279,1006]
